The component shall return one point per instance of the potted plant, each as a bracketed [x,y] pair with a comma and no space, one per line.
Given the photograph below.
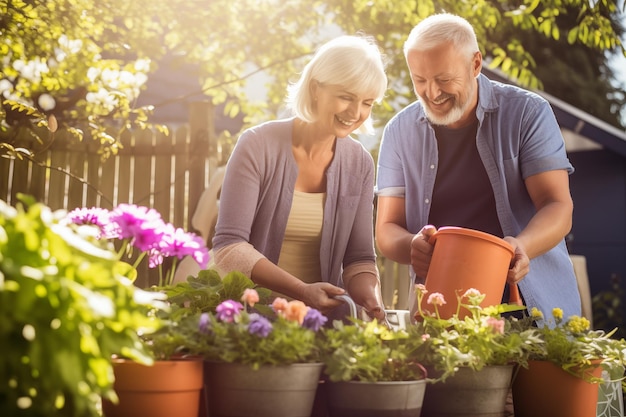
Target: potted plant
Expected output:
[140,387]
[208,289]
[269,352]
[564,370]
[470,356]
[372,368]
[67,305]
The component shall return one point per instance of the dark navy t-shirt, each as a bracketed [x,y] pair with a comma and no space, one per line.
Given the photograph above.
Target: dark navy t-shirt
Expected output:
[462,195]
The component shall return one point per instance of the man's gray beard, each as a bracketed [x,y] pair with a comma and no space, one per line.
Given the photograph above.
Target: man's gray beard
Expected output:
[454,115]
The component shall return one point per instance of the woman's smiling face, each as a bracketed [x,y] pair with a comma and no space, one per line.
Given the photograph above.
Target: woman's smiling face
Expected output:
[445,82]
[340,111]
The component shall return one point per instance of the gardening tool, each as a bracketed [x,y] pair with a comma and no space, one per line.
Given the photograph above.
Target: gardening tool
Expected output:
[394,319]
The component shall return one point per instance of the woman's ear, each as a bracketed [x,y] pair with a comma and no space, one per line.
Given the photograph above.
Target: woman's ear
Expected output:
[314,88]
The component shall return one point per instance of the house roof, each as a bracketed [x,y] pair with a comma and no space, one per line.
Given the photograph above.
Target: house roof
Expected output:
[576,123]
[173,87]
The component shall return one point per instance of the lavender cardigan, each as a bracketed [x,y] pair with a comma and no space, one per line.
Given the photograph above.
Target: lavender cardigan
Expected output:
[258,190]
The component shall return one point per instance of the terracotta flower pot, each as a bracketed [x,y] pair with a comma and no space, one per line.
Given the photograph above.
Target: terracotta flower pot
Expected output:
[463,259]
[166,389]
[546,390]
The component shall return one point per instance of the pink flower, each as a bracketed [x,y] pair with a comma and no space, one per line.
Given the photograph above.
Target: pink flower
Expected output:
[421,288]
[472,292]
[250,297]
[436,299]
[279,305]
[496,324]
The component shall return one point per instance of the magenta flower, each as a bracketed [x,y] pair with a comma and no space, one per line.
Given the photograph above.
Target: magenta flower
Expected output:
[176,242]
[143,226]
[314,320]
[259,325]
[228,310]
[155,258]
[144,229]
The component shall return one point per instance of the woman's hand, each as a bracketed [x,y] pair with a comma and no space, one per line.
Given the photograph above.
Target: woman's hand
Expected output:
[319,295]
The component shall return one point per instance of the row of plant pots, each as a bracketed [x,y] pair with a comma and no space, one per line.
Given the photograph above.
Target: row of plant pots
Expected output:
[69,307]
[253,362]
[197,388]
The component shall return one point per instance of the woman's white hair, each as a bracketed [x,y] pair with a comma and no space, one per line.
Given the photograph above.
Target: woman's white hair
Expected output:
[442,28]
[353,62]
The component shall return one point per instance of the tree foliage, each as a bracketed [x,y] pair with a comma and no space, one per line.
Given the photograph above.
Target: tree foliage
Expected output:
[79,65]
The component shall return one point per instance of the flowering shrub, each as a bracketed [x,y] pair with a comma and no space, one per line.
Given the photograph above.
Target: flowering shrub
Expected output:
[370,351]
[573,345]
[67,306]
[142,228]
[235,333]
[483,338]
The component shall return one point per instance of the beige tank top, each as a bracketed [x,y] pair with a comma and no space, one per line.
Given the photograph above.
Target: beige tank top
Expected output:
[300,252]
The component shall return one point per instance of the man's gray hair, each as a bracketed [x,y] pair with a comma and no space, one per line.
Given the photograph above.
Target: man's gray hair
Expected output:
[442,28]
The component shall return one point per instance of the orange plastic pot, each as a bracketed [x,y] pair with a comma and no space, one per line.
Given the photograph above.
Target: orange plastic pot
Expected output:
[463,259]
[546,390]
[165,389]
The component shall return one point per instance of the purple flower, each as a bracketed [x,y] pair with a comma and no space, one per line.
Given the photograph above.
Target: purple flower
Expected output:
[259,325]
[95,216]
[314,320]
[204,323]
[228,310]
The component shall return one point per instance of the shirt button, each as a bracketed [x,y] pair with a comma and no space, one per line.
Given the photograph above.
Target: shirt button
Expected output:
[427,201]
[432,166]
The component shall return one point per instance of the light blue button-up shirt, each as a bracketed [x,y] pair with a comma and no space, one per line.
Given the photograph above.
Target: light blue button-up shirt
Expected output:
[518,136]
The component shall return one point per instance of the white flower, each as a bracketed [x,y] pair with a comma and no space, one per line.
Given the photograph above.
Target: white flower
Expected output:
[5,86]
[46,102]
[72,46]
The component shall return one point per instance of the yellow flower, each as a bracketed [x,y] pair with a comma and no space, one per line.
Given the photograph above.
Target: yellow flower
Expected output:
[557,313]
[578,324]
[535,313]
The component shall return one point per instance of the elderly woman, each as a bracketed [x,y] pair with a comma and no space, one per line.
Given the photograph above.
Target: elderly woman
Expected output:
[296,207]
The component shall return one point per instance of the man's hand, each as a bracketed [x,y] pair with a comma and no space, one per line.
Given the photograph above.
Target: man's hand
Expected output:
[520,264]
[422,251]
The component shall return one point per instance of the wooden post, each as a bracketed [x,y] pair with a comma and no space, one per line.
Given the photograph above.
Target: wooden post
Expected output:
[202,145]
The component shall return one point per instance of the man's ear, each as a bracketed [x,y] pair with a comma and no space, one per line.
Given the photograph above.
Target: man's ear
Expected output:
[477,63]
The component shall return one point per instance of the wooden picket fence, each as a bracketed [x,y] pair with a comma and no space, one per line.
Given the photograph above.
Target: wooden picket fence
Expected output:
[164,172]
